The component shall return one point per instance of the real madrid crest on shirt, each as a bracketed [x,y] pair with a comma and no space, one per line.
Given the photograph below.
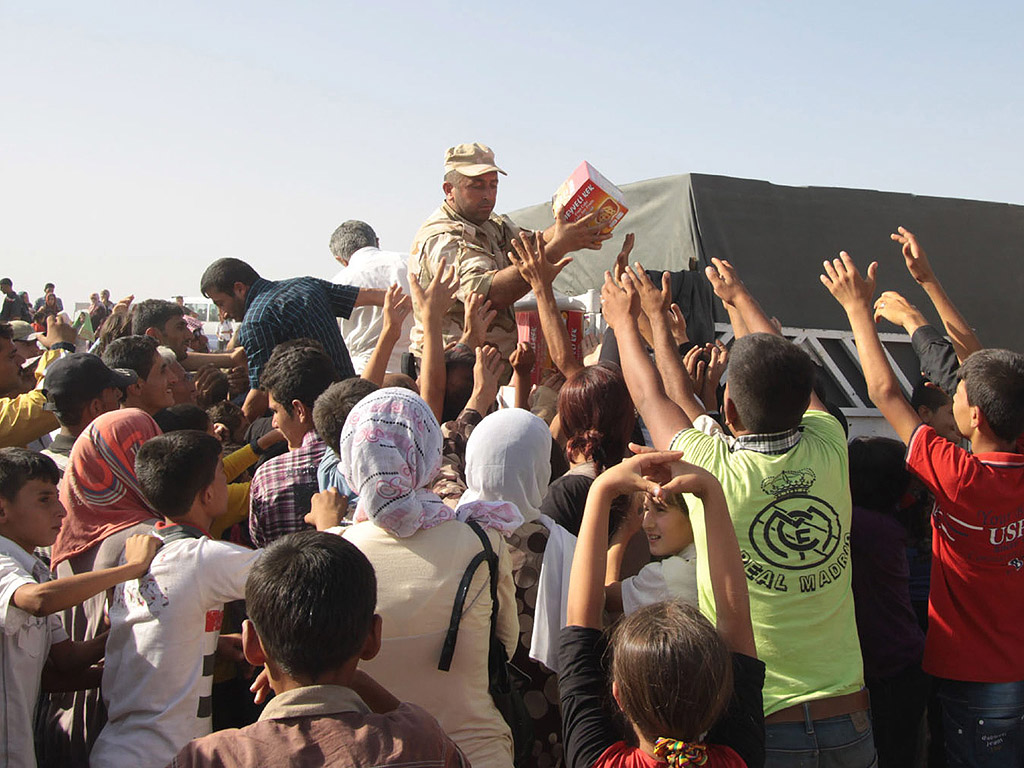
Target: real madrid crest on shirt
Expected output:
[796,535]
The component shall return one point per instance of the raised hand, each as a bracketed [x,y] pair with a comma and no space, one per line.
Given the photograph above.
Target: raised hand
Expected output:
[654,301]
[438,297]
[917,260]
[622,260]
[477,319]
[618,303]
[677,322]
[725,281]
[486,379]
[522,359]
[897,310]
[643,472]
[696,366]
[528,256]
[397,306]
[845,283]
[57,330]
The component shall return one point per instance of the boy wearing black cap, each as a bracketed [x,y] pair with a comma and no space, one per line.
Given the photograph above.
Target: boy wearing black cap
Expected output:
[79,388]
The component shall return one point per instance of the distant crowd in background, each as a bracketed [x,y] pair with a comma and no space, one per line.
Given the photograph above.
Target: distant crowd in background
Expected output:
[367,524]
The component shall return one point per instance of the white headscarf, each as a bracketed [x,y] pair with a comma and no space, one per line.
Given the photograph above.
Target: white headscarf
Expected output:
[508,466]
[390,450]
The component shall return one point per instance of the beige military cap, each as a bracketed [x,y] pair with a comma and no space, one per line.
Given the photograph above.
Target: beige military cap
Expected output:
[470,160]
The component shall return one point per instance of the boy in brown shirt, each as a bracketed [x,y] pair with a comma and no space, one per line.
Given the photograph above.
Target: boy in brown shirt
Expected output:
[311,601]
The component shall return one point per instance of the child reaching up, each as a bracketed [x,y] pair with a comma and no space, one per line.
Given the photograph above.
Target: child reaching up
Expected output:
[30,517]
[671,670]
[975,617]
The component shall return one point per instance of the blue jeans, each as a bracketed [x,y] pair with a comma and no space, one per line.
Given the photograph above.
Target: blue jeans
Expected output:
[835,742]
[984,723]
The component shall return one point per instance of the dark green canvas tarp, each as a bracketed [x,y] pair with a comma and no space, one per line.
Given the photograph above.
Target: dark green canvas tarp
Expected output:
[777,237]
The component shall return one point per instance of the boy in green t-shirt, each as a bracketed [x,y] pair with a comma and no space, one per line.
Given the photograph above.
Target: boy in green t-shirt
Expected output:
[785,476]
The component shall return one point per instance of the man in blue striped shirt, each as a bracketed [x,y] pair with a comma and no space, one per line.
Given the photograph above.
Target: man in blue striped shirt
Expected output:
[274,311]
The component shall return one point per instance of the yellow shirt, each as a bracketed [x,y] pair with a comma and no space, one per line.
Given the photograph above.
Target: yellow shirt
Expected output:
[22,418]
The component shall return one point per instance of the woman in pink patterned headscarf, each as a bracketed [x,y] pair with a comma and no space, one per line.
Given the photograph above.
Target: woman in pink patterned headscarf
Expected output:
[390,451]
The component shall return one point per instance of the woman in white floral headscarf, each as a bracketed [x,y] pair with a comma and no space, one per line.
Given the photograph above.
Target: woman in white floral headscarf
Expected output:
[390,451]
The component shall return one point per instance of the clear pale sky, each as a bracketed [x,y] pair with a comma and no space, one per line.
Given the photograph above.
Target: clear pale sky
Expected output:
[141,141]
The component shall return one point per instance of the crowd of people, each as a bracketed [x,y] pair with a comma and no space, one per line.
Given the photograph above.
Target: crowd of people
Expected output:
[404,539]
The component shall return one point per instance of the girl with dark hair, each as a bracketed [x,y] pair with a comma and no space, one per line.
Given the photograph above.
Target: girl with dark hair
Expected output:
[598,417]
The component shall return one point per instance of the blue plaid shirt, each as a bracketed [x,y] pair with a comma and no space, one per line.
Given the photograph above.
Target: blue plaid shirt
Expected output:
[302,307]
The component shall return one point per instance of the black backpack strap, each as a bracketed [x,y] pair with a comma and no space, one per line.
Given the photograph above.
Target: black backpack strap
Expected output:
[492,564]
[448,649]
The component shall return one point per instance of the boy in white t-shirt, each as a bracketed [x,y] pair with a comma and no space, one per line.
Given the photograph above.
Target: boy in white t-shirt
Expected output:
[30,632]
[158,673]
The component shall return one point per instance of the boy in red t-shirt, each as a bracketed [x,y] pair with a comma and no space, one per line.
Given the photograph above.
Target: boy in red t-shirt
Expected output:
[975,641]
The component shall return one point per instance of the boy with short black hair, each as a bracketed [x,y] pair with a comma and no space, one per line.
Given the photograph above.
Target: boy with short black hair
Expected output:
[311,601]
[158,673]
[329,413]
[296,374]
[152,390]
[976,617]
[30,631]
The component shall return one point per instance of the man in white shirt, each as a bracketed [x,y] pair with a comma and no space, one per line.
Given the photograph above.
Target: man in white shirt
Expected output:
[355,246]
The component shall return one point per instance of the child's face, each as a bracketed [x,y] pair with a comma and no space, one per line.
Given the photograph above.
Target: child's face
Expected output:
[961,410]
[942,421]
[667,527]
[219,501]
[33,517]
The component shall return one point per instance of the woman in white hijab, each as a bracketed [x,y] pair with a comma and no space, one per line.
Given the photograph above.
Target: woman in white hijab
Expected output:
[508,462]
[390,450]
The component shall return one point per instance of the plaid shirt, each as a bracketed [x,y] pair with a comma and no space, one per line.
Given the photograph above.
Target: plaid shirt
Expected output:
[303,307]
[280,493]
[773,443]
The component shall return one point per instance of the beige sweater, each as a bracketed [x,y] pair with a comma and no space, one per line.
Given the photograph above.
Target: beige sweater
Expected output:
[417,578]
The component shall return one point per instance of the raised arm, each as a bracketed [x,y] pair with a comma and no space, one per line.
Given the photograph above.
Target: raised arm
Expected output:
[477,318]
[530,259]
[397,306]
[522,360]
[854,294]
[730,289]
[965,341]
[434,301]
[663,417]
[728,580]
[657,305]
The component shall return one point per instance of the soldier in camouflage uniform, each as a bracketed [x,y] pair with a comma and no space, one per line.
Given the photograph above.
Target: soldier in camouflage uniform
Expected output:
[466,232]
